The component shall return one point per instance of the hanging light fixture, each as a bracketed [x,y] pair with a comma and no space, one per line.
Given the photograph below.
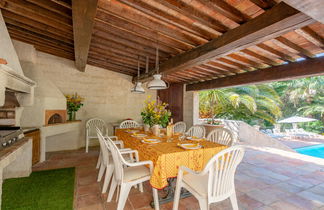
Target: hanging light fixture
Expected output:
[157,83]
[138,85]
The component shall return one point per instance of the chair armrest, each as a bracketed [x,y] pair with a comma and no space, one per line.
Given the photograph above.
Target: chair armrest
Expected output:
[128,151]
[188,170]
[113,137]
[120,143]
[141,163]
[124,149]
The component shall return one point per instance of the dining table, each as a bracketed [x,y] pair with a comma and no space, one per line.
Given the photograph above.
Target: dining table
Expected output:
[167,155]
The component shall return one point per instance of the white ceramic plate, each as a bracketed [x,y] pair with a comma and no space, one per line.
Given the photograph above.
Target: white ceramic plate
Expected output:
[140,135]
[151,141]
[194,139]
[189,146]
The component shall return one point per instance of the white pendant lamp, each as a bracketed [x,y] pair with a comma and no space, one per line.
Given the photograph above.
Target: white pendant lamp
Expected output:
[138,85]
[157,83]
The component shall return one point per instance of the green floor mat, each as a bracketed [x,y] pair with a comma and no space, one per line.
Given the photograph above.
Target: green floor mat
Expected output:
[42,190]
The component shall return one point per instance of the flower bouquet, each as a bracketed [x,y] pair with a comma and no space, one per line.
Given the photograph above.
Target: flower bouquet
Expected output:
[73,103]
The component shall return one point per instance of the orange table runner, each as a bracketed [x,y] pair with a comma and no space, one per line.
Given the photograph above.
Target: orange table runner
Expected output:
[167,156]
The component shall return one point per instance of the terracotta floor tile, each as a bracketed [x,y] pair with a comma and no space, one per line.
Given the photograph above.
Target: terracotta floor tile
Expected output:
[263,182]
[94,188]
[98,206]
[140,200]
[87,200]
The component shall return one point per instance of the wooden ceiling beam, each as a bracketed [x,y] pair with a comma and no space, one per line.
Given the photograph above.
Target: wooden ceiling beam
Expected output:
[127,13]
[311,36]
[224,67]
[195,14]
[64,3]
[130,36]
[127,43]
[30,22]
[114,52]
[238,57]
[309,67]
[227,10]
[109,19]
[264,4]
[35,14]
[275,52]
[39,38]
[54,7]
[260,57]
[35,30]
[83,13]
[173,18]
[272,23]
[294,46]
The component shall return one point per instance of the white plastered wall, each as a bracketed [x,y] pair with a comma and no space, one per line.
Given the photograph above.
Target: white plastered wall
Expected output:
[190,108]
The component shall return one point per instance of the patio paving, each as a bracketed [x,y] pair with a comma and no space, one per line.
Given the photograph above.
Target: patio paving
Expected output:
[301,142]
[266,179]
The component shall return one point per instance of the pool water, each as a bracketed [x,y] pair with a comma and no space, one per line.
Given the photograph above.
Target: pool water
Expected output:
[315,151]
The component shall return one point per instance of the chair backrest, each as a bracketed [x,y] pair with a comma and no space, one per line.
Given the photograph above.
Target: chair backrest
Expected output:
[94,123]
[117,159]
[221,136]
[180,127]
[104,150]
[129,124]
[197,131]
[221,171]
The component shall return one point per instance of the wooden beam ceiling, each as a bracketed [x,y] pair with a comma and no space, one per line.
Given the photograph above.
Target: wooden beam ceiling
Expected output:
[83,14]
[279,20]
[309,67]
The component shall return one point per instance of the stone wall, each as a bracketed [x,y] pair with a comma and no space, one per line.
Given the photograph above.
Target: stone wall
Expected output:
[107,94]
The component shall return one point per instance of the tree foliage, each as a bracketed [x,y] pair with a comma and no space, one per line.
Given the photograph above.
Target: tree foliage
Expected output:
[253,103]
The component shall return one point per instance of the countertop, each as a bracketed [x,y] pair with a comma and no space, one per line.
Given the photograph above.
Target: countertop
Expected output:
[29,129]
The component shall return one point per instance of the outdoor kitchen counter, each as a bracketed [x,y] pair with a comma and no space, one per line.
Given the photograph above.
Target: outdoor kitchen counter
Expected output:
[29,129]
[8,150]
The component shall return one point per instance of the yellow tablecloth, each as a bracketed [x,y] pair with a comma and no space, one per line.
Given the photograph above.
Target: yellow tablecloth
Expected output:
[167,156]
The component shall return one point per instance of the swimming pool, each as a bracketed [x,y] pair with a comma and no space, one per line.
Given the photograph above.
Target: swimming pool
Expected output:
[315,151]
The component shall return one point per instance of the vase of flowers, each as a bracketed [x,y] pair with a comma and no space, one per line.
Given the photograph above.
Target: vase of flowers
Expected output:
[73,104]
[146,127]
[155,113]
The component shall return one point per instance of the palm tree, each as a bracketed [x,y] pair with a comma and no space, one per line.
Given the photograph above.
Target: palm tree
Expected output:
[242,103]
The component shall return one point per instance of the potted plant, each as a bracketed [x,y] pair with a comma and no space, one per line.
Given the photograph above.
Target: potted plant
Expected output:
[73,103]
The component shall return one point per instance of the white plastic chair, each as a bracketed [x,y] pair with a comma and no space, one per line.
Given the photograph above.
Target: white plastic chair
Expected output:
[129,124]
[180,127]
[106,165]
[91,133]
[215,182]
[221,136]
[197,131]
[127,177]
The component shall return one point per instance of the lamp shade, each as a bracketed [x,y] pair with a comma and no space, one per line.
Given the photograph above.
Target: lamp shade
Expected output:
[157,83]
[138,88]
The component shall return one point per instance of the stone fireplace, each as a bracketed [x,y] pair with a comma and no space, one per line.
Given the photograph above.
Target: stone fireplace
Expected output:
[53,117]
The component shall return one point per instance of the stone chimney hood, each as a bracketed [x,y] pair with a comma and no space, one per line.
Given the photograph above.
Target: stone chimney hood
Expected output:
[18,83]
[11,75]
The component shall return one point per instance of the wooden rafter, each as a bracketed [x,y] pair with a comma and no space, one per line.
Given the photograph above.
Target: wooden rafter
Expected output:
[274,22]
[309,67]
[83,13]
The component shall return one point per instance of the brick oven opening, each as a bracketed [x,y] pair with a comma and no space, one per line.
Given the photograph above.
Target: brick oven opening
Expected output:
[53,117]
